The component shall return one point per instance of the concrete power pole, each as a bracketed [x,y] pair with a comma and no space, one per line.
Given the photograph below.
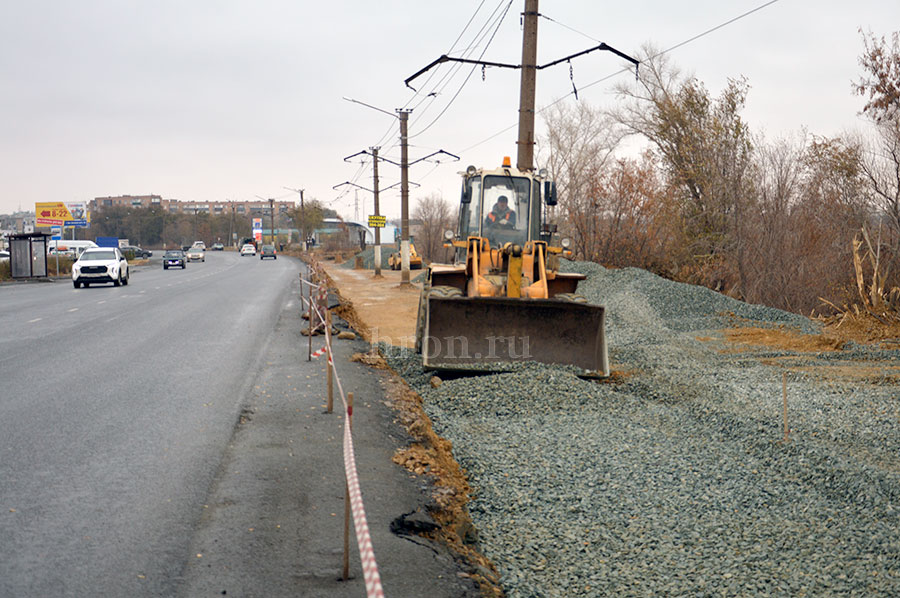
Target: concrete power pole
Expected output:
[302,222]
[377,213]
[404,198]
[302,218]
[525,157]
[272,218]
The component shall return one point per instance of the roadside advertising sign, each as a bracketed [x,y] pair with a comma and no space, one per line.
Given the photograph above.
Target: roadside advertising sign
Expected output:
[257,224]
[377,221]
[57,213]
[257,235]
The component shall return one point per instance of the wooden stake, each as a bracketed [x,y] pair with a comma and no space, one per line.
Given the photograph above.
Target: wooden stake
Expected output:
[345,575]
[330,366]
[346,568]
[309,312]
[784,397]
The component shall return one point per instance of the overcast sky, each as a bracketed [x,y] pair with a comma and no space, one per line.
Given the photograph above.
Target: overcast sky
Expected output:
[229,100]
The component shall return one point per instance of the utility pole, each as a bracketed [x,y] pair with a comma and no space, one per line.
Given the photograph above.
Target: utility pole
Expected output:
[231,228]
[272,219]
[302,222]
[404,198]
[377,213]
[529,66]
[302,217]
[525,156]
[404,184]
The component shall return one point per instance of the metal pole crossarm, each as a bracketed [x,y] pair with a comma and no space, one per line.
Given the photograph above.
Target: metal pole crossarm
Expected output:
[445,58]
[362,153]
[383,159]
[353,185]
[454,156]
[602,46]
[400,183]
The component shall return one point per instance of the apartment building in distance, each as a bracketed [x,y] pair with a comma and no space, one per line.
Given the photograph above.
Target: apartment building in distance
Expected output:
[175,206]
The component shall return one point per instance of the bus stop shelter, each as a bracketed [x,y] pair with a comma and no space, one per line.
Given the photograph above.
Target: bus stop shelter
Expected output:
[28,255]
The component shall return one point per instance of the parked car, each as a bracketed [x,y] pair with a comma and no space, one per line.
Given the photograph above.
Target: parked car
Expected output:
[218,247]
[267,251]
[100,264]
[137,252]
[4,255]
[248,249]
[196,254]
[173,258]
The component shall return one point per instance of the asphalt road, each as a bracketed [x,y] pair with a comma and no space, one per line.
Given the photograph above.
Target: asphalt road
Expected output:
[117,405]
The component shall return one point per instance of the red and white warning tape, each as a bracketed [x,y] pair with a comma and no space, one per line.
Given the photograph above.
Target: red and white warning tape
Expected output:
[363,539]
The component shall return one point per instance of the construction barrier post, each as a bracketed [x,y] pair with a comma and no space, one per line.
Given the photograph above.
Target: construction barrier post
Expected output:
[330,366]
[346,568]
[309,314]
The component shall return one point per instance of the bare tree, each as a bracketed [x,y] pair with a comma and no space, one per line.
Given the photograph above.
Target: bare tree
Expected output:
[436,216]
[580,140]
[706,150]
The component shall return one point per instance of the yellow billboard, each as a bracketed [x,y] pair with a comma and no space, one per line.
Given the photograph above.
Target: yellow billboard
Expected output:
[57,213]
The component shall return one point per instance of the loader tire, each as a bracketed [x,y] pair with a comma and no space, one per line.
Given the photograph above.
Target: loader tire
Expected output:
[571,297]
[438,291]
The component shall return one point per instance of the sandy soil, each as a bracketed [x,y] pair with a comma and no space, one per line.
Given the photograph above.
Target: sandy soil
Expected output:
[386,311]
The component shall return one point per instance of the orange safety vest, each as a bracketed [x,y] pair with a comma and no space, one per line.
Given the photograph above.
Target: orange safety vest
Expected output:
[493,217]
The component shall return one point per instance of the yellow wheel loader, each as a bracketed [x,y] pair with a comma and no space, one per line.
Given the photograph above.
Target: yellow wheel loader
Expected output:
[504,299]
[395,260]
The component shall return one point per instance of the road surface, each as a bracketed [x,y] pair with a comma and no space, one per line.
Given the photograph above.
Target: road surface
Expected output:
[117,406]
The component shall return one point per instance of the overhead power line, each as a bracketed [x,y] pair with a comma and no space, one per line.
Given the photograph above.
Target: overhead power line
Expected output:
[628,69]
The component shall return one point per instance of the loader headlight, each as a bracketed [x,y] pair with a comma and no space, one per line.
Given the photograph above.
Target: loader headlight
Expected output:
[566,243]
[543,173]
[448,235]
[471,170]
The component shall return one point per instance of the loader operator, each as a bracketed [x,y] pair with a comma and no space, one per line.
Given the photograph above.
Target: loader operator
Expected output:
[501,216]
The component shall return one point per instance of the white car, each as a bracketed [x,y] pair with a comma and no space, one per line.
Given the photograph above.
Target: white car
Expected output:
[196,254]
[100,264]
[248,249]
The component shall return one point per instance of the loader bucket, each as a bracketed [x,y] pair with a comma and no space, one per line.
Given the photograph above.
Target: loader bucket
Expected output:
[464,333]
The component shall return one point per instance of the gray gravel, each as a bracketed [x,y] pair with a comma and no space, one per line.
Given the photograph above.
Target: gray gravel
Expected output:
[674,481]
[368,257]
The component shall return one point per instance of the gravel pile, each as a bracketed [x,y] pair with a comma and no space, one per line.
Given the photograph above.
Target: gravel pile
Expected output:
[368,257]
[674,480]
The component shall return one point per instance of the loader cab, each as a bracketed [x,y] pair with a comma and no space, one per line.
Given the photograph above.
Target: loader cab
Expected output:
[480,216]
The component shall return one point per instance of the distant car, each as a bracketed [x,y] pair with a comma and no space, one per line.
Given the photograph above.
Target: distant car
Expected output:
[218,247]
[199,244]
[100,264]
[248,249]
[196,254]
[137,252]
[267,251]
[174,258]
[4,255]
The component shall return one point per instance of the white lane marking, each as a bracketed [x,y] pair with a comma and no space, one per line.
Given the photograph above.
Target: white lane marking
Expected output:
[35,320]
[101,302]
[73,309]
